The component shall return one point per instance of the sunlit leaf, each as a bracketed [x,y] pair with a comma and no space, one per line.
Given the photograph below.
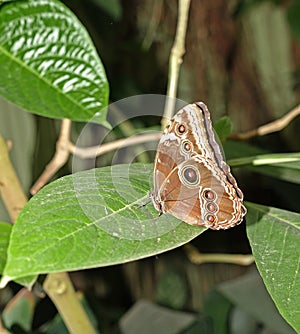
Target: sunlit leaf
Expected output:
[48,63]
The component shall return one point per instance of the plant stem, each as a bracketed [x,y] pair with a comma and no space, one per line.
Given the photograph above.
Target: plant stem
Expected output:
[177,52]
[95,151]
[265,159]
[60,289]
[60,157]
[271,127]
[199,258]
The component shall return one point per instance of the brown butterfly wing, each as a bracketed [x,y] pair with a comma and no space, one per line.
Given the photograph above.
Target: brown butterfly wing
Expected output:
[189,132]
[198,195]
[189,140]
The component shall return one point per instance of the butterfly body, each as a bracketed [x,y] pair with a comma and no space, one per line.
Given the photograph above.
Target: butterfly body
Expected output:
[191,178]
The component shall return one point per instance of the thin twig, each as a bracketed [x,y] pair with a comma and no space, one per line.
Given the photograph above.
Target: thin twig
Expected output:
[177,52]
[127,129]
[198,258]
[95,151]
[271,127]
[59,159]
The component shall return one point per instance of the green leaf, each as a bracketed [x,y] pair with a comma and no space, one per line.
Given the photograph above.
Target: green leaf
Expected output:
[274,236]
[266,159]
[293,17]
[223,128]
[3,1]
[5,230]
[249,294]
[48,63]
[171,290]
[148,318]
[289,171]
[19,311]
[113,8]
[237,149]
[217,307]
[284,166]
[90,219]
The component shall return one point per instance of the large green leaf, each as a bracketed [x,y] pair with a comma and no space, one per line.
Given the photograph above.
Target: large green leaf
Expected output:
[90,219]
[5,230]
[274,236]
[48,63]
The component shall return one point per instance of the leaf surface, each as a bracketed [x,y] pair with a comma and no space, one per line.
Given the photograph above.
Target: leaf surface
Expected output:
[91,219]
[274,235]
[48,63]
[5,230]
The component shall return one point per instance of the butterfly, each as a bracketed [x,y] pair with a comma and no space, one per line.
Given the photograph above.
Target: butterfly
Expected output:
[191,179]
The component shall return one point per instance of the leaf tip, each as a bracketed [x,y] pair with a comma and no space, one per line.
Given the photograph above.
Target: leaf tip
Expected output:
[4,281]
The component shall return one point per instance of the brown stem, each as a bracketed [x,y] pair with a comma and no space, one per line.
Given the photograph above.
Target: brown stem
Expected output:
[177,52]
[198,258]
[95,151]
[60,157]
[271,127]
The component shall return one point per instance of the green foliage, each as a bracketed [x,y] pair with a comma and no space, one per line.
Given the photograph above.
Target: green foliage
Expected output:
[171,290]
[217,307]
[282,166]
[90,219]
[20,312]
[5,230]
[48,63]
[113,8]
[274,236]
[293,16]
[243,6]
[251,305]
[223,128]
[147,318]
